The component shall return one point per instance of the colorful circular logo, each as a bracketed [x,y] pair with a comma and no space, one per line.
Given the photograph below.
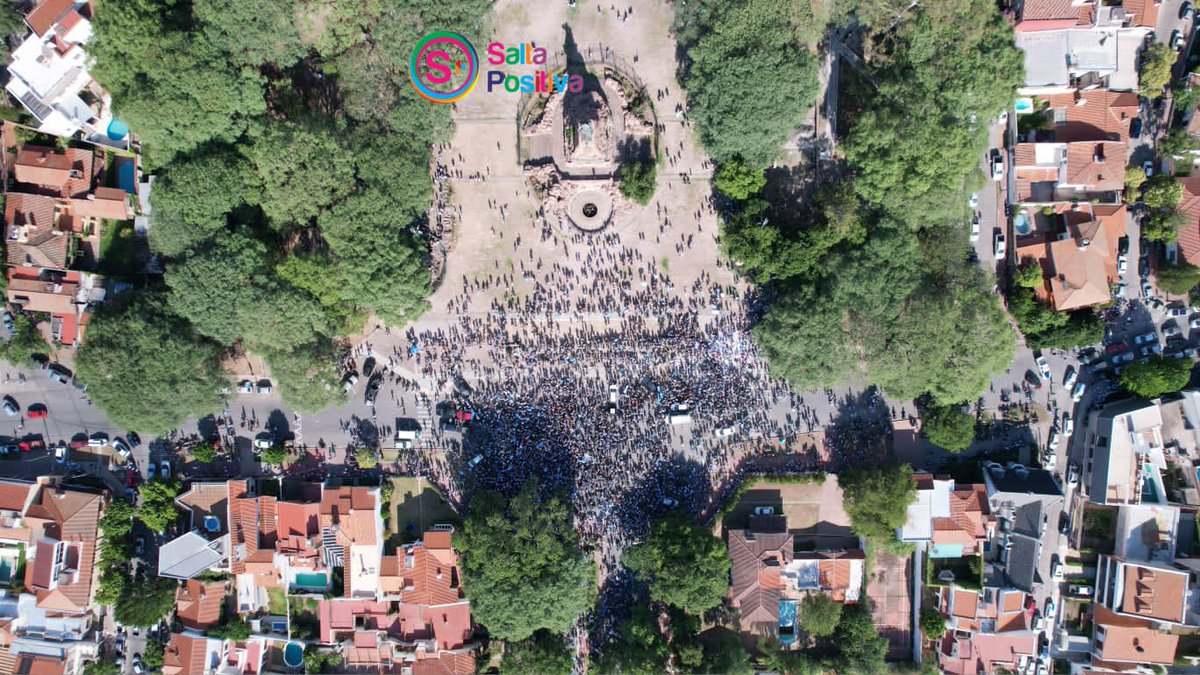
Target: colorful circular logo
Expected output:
[443,67]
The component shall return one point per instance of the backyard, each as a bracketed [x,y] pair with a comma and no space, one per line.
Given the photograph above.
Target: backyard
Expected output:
[416,505]
[120,249]
[276,602]
[967,572]
[1099,529]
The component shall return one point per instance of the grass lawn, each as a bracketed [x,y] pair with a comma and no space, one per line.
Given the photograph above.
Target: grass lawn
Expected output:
[120,249]
[276,602]
[1099,529]
[417,505]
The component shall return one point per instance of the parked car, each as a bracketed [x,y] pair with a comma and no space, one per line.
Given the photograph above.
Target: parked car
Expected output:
[1119,291]
[474,461]
[764,511]
[1081,590]
[1056,571]
[349,381]
[1052,445]
[1073,473]
[1122,265]
[1050,461]
[1078,392]
[368,367]
[58,373]
[1043,367]
[151,470]
[166,469]
[121,448]
[973,202]
[1032,379]
[245,387]
[998,245]
[10,407]
[1148,168]
[8,321]
[1135,128]
[1147,291]
[37,411]
[974,232]
[1145,338]
[1195,322]
[1176,39]
[1176,310]
[997,166]
[97,440]
[1185,11]
[372,389]
[263,387]
[1170,330]
[1068,425]
[1144,268]
[60,453]
[264,441]
[1069,377]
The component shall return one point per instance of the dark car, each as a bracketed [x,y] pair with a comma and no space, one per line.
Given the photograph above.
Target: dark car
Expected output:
[1135,128]
[1123,246]
[373,389]
[1144,268]
[1033,380]
[368,366]
[1185,11]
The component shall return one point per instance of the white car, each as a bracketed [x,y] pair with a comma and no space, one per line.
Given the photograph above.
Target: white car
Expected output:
[1122,265]
[1073,473]
[1003,118]
[997,166]
[1147,291]
[998,246]
[1148,168]
[1050,461]
[764,511]
[166,469]
[1120,290]
[1077,394]
[121,448]
[60,453]
[1194,323]
[613,394]
[1043,367]
[974,232]
[1068,425]
[1053,444]
[263,443]
[97,441]
[974,200]
[1069,377]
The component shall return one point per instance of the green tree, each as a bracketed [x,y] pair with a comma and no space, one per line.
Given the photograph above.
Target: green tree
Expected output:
[1135,177]
[932,623]
[1177,143]
[158,504]
[253,32]
[861,649]
[1155,72]
[642,649]
[773,658]
[542,654]
[145,603]
[26,341]
[367,458]
[1162,192]
[141,352]
[522,567]
[204,452]
[637,180]
[1029,275]
[303,168]
[307,374]
[274,455]
[102,667]
[316,661]
[1178,279]
[1156,376]
[117,521]
[877,497]
[153,657]
[948,427]
[231,630]
[1163,226]
[192,201]
[110,586]
[683,563]
[820,614]
[736,118]
[737,181]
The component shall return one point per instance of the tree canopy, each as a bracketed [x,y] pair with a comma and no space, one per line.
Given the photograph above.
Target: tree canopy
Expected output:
[737,181]
[877,497]
[543,653]
[522,565]
[732,45]
[861,648]
[142,352]
[1155,72]
[145,603]
[1156,376]
[820,614]
[158,510]
[637,180]
[948,427]
[683,563]
[1178,279]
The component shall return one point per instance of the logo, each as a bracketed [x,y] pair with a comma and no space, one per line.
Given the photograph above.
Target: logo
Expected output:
[444,67]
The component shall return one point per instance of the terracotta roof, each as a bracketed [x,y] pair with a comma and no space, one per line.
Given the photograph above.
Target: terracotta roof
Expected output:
[33,295]
[966,603]
[184,655]
[71,517]
[1188,236]
[423,576]
[198,604]
[29,664]
[1097,165]
[1145,12]
[1042,10]
[751,553]
[42,166]
[448,625]
[46,14]
[1131,641]
[1094,115]
[445,664]
[1154,593]
[207,499]
[41,244]
[983,652]
[14,495]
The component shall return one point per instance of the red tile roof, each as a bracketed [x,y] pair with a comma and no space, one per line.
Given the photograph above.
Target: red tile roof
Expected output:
[1188,235]
[184,655]
[46,14]
[198,604]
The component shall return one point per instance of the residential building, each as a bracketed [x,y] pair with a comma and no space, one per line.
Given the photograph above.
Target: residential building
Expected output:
[67,297]
[1075,246]
[1123,457]
[988,631]
[1188,235]
[1073,43]
[191,654]
[198,604]
[1020,498]
[953,521]
[1079,170]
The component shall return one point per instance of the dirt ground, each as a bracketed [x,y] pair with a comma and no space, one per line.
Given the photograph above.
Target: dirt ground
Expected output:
[811,508]
[417,505]
[889,592]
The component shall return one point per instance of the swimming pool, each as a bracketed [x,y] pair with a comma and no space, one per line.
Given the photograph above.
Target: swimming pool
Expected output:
[126,177]
[293,655]
[1149,489]
[1023,105]
[1021,223]
[117,130]
[6,570]
[316,580]
[787,622]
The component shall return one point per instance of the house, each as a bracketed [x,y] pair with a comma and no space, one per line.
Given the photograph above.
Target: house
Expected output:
[988,631]
[1188,234]
[198,604]
[1092,114]
[1124,642]
[1124,454]
[953,521]
[1152,591]
[67,297]
[351,529]
[1020,498]
[1075,246]
[50,75]
[191,654]
[1074,43]
[1078,170]
[69,173]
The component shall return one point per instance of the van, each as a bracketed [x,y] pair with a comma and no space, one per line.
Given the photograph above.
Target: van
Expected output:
[679,418]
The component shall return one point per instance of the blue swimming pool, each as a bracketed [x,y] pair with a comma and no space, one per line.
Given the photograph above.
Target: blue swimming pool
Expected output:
[1023,105]
[6,571]
[787,622]
[126,179]
[293,655]
[1021,224]
[117,130]
[1149,489]
[316,580]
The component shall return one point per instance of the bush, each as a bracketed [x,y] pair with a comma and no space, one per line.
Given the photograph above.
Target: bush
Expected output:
[738,181]
[1178,279]
[1157,376]
[932,623]
[820,615]
[637,181]
[948,427]
[274,455]
[366,458]
[204,453]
